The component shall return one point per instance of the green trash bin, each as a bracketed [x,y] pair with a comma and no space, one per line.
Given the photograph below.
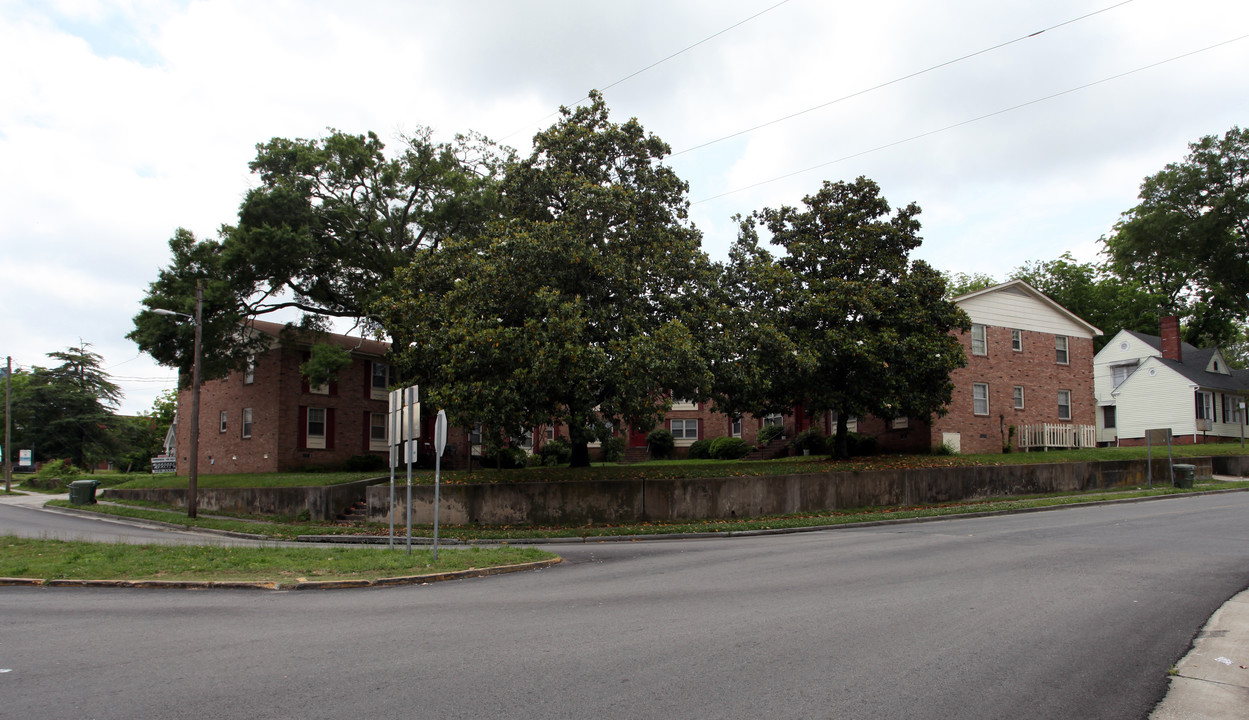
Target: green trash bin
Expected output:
[82,492]
[1184,475]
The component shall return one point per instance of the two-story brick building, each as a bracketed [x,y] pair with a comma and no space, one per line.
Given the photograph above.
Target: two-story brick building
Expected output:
[266,418]
[1028,381]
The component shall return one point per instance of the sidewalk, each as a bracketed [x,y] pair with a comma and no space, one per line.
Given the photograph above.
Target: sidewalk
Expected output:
[1212,681]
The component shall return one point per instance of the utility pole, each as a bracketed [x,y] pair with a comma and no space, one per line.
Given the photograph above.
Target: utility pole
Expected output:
[8,424]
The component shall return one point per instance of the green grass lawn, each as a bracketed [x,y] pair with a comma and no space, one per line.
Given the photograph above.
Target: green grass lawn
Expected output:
[56,559]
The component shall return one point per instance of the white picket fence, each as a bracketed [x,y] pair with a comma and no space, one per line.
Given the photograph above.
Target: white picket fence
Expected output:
[1048,436]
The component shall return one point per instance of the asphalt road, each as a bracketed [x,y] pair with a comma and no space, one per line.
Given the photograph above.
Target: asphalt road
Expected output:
[1069,614]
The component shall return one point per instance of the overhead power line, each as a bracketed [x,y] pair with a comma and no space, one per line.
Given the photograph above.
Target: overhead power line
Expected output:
[659,62]
[897,80]
[972,120]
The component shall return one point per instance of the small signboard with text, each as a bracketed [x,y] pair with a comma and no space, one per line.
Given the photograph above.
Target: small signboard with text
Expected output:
[164,464]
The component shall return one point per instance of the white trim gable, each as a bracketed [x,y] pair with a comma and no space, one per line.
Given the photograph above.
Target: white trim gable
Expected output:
[1217,364]
[1018,305]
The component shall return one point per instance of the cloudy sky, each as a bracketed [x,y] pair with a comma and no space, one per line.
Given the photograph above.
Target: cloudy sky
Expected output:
[122,120]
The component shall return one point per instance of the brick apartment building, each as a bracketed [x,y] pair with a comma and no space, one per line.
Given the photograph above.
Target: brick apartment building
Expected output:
[267,418]
[1029,364]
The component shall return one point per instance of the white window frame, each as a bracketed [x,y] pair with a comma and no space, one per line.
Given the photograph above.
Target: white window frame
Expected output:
[224,416]
[776,419]
[249,370]
[316,441]
[246,423]
[1121,372]
[1062,350]
[1019,397]
[684,431]
[684,405]
[1064,401]
[1016,340]
[377,420]
[979,394]
[1231,409]
[900,423]
[1109,413]
[979,339]
[1204,409]
[735,428]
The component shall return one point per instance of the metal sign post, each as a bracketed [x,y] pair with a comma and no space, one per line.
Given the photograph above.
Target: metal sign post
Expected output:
[404,427]
[1160,435]
[440,442]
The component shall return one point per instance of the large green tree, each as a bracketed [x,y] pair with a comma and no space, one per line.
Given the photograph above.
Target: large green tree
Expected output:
[66,411]
[322,234]
[869,328]
[1187,241]
[575,307]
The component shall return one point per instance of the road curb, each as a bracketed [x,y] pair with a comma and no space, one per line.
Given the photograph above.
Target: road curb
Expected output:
[270,585]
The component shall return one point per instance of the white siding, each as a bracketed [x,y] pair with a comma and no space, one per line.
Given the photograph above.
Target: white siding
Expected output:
[1161,400]
[1114,354]
[1012,307]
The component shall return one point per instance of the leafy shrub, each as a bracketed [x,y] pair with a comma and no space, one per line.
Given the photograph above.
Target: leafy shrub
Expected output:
[942,449]
[365,463]
[768,433]
[660,442]
[57,469]
[729,448]
[505,458]
[556,452]
[811,440]
[857,444]
[613,449]
[700,450]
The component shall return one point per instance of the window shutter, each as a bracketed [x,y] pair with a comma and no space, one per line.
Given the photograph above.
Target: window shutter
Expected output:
[303,381]
[329,428]
[367,424]
[303,427]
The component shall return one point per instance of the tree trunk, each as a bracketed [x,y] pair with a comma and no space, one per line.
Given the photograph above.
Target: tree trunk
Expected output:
[841,450]
[580,454]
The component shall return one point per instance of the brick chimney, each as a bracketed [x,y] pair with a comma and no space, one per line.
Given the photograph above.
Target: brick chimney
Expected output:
[1171,339]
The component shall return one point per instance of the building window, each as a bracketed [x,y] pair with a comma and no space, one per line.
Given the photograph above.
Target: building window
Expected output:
[1019,397]
[1231,409]
[247,422]
[1108,417]
[979,340]
[1119,373]
[852,422]
[377,431]
[316,428]
[319,389]
[736,429]
[249,370]
[684,405]
[550,433]
[1064,404]
[1016,340]
[1205,409]
[684,429]
[774,419]
[379,384]
[901,423]
[980,398]
[1060,349]
[223,421]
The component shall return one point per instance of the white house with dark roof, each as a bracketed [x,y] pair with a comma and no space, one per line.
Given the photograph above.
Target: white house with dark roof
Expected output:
[1146,382]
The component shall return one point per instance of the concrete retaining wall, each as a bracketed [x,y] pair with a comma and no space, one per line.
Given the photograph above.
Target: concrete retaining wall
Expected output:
[629,501]
[322,503]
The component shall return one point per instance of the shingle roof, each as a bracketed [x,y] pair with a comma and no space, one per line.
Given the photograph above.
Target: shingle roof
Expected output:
[1193,367]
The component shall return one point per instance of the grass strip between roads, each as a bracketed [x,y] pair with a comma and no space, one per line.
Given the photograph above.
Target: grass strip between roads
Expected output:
[57,560]
[471,533]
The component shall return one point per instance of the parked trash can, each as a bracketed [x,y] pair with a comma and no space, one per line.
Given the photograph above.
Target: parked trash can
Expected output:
[82,492]
[1184,475]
